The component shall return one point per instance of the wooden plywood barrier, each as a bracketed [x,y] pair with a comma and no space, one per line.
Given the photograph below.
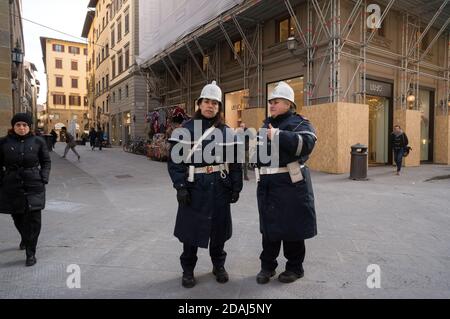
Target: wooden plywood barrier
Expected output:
[409,120]
[442,140]
[338,127]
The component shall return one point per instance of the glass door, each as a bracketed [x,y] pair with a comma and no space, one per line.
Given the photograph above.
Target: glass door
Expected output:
[426,125]
[378,129]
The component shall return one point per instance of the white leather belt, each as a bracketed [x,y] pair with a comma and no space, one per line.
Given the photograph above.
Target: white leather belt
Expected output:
[210,169]
[273,170]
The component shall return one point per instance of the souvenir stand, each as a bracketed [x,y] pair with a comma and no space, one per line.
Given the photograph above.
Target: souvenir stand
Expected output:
[162,122]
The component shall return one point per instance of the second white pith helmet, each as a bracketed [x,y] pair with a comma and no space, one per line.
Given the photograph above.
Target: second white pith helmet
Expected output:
[283,91]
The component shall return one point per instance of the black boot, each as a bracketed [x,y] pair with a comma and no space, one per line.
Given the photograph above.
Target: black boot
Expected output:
[263,277]
[31,258]
[188,280]
[290,276]
[221,274]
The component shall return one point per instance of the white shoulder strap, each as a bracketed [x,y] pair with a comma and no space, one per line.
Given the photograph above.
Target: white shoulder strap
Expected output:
[199,142]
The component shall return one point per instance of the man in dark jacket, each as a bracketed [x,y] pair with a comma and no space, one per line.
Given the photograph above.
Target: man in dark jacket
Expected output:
[285,194]
[54,138]
[92,137]
[24,170]
[100,138]
[205,189]
[399,144]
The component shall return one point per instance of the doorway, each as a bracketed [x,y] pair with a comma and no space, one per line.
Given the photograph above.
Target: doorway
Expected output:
[379,128]
[426,107]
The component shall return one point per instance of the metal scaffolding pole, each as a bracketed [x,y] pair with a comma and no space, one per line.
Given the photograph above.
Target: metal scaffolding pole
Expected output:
[196,63]
[425,31]
[447,81]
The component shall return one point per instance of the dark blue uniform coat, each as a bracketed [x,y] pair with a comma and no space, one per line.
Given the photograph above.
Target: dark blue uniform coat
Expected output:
[208,218]
[286,210]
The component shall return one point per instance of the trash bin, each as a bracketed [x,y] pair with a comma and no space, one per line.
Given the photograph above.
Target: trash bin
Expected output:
[359,164]
[49,140]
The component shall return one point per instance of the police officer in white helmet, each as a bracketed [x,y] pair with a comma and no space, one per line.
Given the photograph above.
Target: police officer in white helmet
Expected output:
[205,190]
[285,194]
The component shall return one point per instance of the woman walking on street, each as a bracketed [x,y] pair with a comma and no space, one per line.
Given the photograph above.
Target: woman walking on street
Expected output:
[24,172]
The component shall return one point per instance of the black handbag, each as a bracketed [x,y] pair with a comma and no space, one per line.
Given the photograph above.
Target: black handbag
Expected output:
[407,150]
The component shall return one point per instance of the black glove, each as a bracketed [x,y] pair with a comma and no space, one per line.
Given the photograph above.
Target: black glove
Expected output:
[234,197]
[183,197]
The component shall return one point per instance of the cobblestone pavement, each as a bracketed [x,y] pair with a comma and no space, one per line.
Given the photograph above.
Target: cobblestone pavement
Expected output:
[113,214]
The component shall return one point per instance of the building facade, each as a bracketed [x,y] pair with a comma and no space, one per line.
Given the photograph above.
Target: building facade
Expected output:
[119,87]
[12,73]
[65,67]
[88,33]
[356,73]
[32,90]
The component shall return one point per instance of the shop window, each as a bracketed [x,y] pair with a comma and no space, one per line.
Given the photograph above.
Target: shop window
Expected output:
[235,103]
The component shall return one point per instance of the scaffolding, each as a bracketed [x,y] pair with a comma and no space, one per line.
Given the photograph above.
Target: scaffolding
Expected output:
[323,41]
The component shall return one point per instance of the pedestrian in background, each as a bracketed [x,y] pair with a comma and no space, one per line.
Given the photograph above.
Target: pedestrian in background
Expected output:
[285,194]
[54,138]
[70,143]
[92,137]
[399,144]
[100,137]
[205,190]
[24,171]
[247,136]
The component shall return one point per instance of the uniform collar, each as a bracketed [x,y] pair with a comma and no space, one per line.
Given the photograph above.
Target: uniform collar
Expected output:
[280,118]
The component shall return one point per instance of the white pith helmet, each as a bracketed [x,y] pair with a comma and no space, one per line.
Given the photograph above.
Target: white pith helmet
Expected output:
[211,92]
[283,91]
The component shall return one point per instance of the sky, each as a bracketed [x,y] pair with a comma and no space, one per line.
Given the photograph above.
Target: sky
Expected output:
[63,15]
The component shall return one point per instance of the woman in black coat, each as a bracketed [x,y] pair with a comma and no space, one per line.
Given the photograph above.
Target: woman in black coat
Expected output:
[205,188]
[285,194]
[24,172]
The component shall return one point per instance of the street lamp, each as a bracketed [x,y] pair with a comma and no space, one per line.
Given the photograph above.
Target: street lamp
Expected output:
[292,44]
[411,98]
[17,56]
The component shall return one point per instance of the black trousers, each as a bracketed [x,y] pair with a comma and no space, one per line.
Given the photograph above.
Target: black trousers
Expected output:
[189,258]
[294,251]
[29,227]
